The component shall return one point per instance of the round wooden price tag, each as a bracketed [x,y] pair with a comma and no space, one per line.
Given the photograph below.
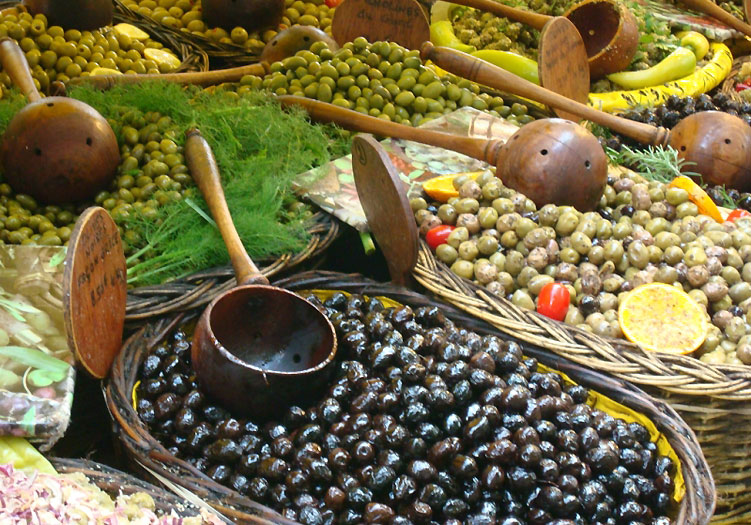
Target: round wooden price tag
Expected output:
[384,201]
[94,288]
[400,21]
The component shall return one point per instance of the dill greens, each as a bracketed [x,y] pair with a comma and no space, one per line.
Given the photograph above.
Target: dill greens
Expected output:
[259,149]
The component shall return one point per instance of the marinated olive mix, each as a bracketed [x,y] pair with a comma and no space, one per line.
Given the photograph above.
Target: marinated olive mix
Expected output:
[381,79]
[424,422]
[642,232]
[56,54]
[185,15]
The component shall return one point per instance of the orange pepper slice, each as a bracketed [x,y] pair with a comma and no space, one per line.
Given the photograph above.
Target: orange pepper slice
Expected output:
[698,196]
[442,189]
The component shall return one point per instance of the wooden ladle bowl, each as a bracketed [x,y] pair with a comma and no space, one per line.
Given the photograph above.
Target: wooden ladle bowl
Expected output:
[73,14]
[55,149]
[549,160]
[257,349]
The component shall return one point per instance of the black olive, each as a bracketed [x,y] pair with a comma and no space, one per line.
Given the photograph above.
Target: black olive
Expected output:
[145,411]
[403,488]
[664,464]
[363,452]
[151,366]
[258,488]
[378,513]
[381,478]
[455,508]
[502,452]
[219,473]
[151,388]
[478,429]
[310,516]
[272,468]
[462,391]
[588,438]
[309,433]
[214,414]
[630,511]
[548,470]
[463,466]
[547,449]
[419,511]
[472,490]
[166,405]
[521,479]
[493,477]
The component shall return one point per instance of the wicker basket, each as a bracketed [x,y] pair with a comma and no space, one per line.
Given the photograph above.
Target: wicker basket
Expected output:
[115,483]
[229,54]
[728,85]
[145,450]
[709,398]
[200,288]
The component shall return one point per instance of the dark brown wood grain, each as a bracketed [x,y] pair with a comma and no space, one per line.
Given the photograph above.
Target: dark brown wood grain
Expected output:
[384,201]
[94,291]
[74,14]
[562,63]
[400,21]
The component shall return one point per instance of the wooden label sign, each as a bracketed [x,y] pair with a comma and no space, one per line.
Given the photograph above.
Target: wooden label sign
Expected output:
[384,201]
[562,63]
[400,21]
[94,291]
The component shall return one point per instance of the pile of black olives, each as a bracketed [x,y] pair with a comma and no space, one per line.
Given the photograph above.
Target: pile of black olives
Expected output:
[424,423]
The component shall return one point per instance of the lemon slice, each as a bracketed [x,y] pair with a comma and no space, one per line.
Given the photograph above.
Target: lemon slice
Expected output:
[98,71]
[164,59]
[442,189]
[131,31]
[662,318]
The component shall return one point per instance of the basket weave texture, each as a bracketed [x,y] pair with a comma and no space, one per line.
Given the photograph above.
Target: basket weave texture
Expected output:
[728,85]
[710,398]
[115,483]
[695,509]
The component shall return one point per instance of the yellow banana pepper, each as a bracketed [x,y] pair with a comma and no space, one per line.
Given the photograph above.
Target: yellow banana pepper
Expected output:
[518,65]
[695,41]
[442,34]
[700,81]
[677,64]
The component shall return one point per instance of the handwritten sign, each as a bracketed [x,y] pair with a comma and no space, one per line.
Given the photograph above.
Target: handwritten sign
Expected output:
[400,21]
[94,291]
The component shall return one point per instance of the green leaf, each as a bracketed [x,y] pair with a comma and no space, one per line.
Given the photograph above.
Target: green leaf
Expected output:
[40,378]
[35,359]
[58,257]
[28,421]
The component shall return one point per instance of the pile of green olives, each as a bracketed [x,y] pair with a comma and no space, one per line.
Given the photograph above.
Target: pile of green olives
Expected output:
[643,231]
[56,54]
[185,15]
[381,79]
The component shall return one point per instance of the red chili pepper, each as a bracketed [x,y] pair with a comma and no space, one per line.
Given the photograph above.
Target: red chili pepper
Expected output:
[438,235]
[737,214]
[553,301]
[333,3]
[742,86]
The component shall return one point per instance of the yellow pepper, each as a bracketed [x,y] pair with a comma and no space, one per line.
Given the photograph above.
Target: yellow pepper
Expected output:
[700,81]
[677,64]
[698,196]
[695,41]
[442,34]
[518,65]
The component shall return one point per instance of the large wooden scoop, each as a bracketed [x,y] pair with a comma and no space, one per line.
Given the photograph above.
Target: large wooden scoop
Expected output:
[256,348]
[73,14]
[548,160]
[608,28]
[715,144]
[55,149]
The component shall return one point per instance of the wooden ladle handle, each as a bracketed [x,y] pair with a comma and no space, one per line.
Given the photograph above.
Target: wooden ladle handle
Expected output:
[529,18]
[481,149]
[15,64]
[202,165]
[715,11]
[203,78]
[485,73]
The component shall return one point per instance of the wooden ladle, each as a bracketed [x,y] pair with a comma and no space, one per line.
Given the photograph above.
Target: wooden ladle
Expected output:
[710,8]
[283,45]
[548,160]
[256,348]
[714,144]
[55,149]
[609,30]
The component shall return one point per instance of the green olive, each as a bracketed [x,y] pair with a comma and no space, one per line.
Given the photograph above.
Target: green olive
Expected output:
[446,253]
[463,268]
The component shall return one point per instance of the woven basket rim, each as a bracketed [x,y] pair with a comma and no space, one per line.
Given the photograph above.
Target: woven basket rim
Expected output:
[115,482]
[677,374]
[696,507]
[198,289]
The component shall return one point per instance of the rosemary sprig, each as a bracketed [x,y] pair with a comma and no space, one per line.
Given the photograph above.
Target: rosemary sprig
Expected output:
[654,163]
